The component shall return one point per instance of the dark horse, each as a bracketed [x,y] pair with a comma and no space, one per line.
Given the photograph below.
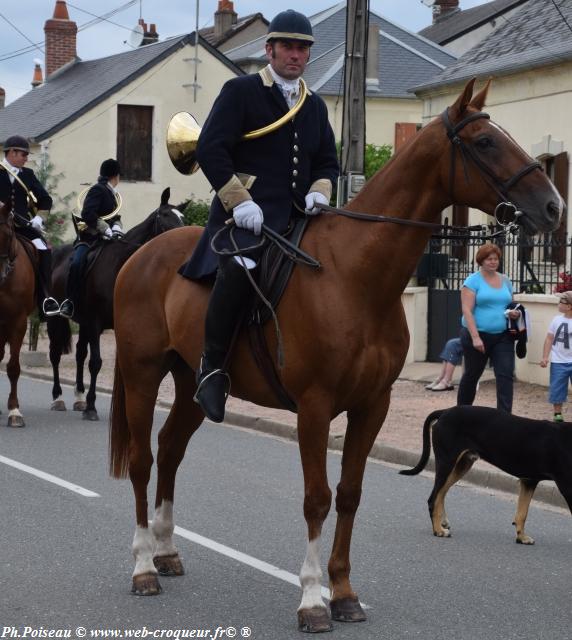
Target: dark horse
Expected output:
[17,301]
[344,329]
[96,308]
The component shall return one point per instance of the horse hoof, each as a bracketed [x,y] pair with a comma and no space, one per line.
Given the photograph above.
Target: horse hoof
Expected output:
[91,415]
[347,610]
[16,421]
[314,620]
[80,405]
[147,584]
[169,565]
[58,405]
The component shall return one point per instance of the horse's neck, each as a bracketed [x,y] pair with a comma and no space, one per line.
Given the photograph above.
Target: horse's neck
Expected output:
[383,252]
[141,233]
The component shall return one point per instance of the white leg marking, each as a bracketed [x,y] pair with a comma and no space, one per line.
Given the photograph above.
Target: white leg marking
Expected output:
[79,396]
[143,545]
[163,526]
[311,577]
[15,413]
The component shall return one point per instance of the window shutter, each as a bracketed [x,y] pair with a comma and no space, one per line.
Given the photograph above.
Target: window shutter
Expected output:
[404,131]
[135,141]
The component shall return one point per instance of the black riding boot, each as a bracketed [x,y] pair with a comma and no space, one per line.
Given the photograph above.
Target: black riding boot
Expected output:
[229,298]
[48,305]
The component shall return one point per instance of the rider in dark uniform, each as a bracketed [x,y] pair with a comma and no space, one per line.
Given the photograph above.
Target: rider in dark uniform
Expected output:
[287,172]
[100,200]
[31,205]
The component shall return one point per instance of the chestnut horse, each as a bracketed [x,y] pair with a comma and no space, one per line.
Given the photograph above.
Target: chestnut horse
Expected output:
[17,301]
[344,332]
[97,303]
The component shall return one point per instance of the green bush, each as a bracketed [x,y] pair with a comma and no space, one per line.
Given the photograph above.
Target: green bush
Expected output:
[375,157]
[195,211]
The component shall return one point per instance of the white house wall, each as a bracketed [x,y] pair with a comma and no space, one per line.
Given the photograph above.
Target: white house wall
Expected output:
[380,117]
[78,149]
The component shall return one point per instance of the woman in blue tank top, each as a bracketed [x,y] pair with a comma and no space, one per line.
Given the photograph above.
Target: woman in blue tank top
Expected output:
[484,299]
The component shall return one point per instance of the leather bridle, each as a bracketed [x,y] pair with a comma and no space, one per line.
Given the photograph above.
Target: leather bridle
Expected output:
[467,152]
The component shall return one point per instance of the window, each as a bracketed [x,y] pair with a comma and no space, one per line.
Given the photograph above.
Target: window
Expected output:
[135,141]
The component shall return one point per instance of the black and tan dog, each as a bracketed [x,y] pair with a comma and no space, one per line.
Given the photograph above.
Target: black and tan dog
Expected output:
[531,450]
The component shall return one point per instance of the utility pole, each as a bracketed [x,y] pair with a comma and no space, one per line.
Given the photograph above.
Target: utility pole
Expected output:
[353,124]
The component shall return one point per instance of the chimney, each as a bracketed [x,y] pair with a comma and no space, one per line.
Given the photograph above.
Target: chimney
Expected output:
[2,98]
[224,17]
[442,8]
[149,35]
[60,39]
[37,78]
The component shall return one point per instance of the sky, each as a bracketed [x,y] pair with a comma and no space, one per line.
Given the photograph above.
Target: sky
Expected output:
[22,25]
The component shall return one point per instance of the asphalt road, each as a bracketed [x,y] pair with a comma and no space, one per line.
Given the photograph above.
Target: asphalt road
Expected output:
[65,558]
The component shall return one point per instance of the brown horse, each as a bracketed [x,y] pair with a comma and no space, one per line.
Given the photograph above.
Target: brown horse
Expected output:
[17,301]
[344,328]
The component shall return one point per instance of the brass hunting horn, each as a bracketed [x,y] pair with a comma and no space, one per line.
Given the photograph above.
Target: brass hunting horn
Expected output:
[79,224]
[183,134]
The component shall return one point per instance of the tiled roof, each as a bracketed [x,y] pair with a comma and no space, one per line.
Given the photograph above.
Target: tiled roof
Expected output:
[78,87]
[455,24]
[405,58]
[535,36]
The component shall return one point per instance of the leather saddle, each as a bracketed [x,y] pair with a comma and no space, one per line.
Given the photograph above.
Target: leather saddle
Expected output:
[274,273]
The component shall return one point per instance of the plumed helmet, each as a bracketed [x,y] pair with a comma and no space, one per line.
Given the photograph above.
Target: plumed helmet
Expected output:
[19,143]
[290,25]
[109,168]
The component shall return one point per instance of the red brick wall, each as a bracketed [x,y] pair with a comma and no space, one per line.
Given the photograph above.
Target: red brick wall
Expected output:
[60,43]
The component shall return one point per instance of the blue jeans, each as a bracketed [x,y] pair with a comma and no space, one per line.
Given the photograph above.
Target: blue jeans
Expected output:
[499,347]
[560,374]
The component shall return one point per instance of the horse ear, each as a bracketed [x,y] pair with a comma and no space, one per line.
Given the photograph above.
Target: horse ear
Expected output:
[479,100]
[165,196]
[463,101]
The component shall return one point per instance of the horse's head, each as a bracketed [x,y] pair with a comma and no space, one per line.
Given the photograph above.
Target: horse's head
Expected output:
[483,167]
[166,215]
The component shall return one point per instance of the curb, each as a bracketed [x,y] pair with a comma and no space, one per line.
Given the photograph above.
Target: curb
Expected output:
[484,478]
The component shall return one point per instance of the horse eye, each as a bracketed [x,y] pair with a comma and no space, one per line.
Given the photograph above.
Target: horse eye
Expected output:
[484,143]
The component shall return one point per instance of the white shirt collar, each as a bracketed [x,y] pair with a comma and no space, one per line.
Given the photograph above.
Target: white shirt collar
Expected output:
[291,86]
[11,168]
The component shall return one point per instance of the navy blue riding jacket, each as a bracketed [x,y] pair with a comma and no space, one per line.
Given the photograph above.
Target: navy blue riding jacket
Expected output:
[277,169]
[15,193]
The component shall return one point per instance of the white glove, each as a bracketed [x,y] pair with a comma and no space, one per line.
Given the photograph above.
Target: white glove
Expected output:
[108,233]
[38,223]
[248,215]
[116,230]
[313,199]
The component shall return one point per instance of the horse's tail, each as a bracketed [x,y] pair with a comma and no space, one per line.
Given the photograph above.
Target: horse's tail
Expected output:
[59,333]
[118,428]
[432,417]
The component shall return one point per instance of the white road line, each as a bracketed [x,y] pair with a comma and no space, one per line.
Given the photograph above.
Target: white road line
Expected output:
[260,565]
[49,477]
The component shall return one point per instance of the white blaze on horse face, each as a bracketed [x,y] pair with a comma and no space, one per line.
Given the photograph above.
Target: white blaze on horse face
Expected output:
[178,214]
[143,545]
[163,527]
[311,577]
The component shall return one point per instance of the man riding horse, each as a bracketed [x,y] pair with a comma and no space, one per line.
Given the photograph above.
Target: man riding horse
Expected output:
[30,204]
[97,221]
[258,177]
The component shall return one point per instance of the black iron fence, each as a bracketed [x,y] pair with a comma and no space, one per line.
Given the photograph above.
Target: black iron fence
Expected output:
[534,264]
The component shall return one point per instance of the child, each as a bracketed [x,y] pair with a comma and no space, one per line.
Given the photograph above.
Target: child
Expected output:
[558,345]
[452,355]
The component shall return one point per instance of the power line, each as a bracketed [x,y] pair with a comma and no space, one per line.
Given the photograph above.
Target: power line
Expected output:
[97,19]
[35,46]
